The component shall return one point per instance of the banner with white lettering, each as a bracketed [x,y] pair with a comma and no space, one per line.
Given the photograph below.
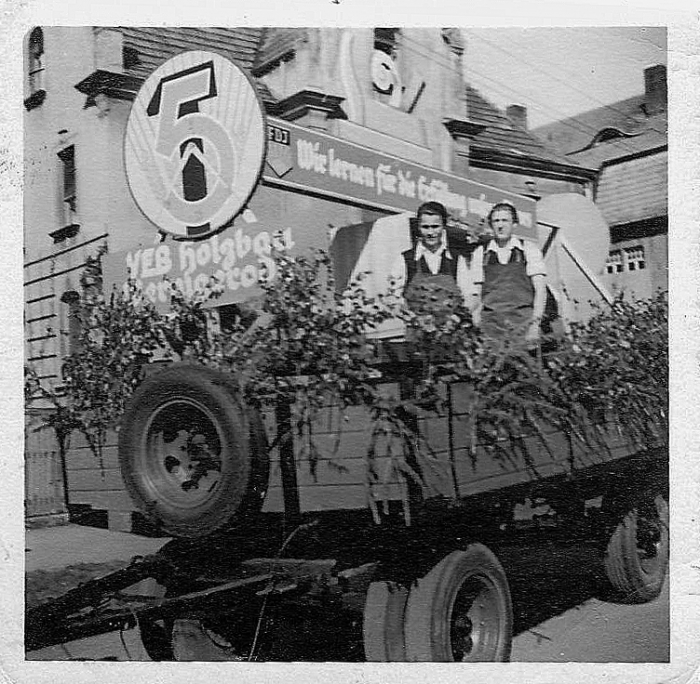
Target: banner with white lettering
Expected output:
[309,160]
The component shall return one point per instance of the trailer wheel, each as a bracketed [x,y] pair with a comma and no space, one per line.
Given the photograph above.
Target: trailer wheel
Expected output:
[461,610]
[192,457]
[636,558]
[383,623]
[193,641]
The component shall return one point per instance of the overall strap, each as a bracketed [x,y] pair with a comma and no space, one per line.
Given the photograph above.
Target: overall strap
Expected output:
[517,256]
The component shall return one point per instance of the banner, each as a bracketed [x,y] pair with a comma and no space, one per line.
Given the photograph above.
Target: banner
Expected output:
[236,258]
[300,158]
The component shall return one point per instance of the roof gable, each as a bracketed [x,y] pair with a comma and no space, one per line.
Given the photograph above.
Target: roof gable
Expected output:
[503,135]
[154,45]
[578,133]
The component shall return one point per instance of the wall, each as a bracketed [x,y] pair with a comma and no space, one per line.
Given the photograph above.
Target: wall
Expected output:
[642,284]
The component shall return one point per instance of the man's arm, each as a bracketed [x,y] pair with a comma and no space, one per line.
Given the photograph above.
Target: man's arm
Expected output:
[396,281]
[476,274]
[540,286]
[466,283]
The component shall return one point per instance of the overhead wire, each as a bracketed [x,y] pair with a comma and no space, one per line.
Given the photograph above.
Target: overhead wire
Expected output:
[502,88]
[568,84]
[434,56]
[506,90]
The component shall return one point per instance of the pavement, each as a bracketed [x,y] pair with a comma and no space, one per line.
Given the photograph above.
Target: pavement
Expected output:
[60,546]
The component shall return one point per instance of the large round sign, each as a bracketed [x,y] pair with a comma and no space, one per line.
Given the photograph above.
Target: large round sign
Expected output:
[195,144]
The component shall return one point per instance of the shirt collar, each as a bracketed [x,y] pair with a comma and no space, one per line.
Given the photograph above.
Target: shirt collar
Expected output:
[512,242]
[421,249]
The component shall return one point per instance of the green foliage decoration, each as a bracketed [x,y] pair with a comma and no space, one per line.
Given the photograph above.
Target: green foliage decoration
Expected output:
[308,348]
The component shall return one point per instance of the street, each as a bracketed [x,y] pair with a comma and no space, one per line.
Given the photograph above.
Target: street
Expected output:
[558,618]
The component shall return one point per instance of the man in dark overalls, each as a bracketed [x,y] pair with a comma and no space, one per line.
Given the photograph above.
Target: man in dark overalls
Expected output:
[431,268]
[509,275]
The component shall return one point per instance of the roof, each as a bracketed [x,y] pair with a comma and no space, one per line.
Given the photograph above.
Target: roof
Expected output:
[154,45]
[620,148]
[276,44]
[504,135]
[634,189]
[629,146]
[629,117]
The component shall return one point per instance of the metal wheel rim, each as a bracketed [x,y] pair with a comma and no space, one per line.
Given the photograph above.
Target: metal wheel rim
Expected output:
[474,622]
[181,462]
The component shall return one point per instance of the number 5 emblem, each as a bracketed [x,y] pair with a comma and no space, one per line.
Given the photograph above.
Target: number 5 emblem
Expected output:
[194,144]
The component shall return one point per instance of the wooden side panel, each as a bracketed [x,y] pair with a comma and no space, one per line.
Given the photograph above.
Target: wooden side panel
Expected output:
[339,444]
[90,482]
[335,472]
[109,479]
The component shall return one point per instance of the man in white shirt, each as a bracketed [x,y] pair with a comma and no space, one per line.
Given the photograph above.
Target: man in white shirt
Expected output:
[431,261]
[509,276]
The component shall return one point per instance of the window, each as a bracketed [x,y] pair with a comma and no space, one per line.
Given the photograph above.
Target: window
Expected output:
[35,69]
[628,259]
[608,134]
[635,258]
[614,263]
[36,64]
[67,157]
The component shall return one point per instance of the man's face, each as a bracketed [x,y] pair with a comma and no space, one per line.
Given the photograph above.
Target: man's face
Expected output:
[430,230]
[502,225]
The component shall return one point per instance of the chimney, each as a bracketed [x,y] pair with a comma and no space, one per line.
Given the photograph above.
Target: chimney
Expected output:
[518,115]
[655,89]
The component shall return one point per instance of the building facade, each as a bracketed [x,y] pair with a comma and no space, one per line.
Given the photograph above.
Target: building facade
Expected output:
[362,124]
[627,143]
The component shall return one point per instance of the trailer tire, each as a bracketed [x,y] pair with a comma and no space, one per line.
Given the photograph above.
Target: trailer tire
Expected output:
[192,457]
[636,557]
[383,623]
[467,590]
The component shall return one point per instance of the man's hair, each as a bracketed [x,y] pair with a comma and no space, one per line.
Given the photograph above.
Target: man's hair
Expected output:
[503,206]
[434,208]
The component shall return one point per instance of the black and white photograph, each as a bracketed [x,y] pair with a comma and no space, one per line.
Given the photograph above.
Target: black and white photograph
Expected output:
[348,345]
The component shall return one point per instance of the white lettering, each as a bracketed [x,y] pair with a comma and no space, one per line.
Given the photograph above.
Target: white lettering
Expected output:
[132,263]
[188,261]
[204,254]
[200,282]
[261,243]
[249,276]
[242,243]
[147,270]
[163,261]
[479,206]
[386,182]
[407,187]
[228,249]
[309,157]
[215,248]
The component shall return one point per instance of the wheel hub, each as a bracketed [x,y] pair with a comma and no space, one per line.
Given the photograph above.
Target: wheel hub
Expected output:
[182,462]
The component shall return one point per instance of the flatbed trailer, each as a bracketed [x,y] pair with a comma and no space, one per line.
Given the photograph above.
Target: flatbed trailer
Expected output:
[350,532]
